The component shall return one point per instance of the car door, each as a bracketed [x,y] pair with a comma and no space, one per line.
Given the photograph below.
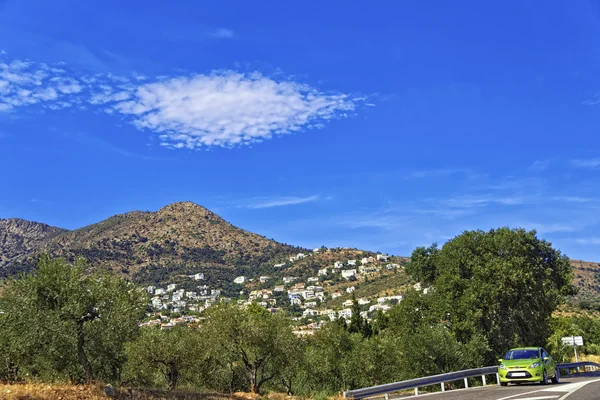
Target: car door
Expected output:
[548,364]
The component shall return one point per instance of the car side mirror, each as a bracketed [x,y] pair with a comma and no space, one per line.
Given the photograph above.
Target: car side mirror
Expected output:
[546,358]
[500,360]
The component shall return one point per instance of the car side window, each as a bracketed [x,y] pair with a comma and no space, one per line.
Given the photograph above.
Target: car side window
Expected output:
[544,354]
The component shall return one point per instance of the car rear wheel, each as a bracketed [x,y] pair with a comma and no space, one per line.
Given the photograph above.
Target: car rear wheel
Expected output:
[556,377]
[545,378]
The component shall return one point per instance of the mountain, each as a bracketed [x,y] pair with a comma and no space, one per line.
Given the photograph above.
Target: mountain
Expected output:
[183,239]
[183,236]
[19,237]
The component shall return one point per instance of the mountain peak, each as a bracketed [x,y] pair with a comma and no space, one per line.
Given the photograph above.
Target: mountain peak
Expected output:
[187,208]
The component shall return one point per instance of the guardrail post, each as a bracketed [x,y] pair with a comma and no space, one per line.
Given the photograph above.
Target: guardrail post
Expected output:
[497,378]
[466,383]
[387,396]
[416,391]
[483,380]
[443,387]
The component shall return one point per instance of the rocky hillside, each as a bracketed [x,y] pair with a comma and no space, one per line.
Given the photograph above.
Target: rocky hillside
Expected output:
[183,239]
[19,238]
[180,235]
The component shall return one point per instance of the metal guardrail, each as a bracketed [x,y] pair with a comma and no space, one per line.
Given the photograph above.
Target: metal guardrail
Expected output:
[419,382]
[576,365]
[449,377]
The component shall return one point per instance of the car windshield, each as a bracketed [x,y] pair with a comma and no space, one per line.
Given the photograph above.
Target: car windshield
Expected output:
[521,354]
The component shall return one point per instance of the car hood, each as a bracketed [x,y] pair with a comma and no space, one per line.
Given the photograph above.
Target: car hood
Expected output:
[524,363]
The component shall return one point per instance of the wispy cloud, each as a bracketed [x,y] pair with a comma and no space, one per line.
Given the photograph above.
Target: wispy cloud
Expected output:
[221,33]
[224,108]
[572,199]
[586,163]
[589,241]
[544,228]
[268,202]
[540,165]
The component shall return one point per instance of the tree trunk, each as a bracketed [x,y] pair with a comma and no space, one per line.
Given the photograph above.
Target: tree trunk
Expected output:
[173,377]
[83,360]
[253,373]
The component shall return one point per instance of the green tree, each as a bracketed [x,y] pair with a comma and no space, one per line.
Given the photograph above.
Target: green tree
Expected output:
[422,266]
[357,323]
[254,337]
[176,354]
[70,323]
[503,285]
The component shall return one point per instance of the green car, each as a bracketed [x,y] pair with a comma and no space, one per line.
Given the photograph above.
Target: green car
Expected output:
[527,364]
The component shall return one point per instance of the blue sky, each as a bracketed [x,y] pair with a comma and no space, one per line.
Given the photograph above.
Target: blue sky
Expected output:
[315,123]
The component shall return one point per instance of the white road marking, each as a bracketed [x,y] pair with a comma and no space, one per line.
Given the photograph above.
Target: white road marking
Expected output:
[577,388]
[538,398]
[569,388]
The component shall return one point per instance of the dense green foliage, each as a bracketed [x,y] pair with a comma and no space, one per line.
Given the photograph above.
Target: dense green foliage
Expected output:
[60,322]
[488,291]
[502,285]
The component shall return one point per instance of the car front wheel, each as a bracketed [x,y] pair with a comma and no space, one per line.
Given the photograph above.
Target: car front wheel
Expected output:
[556,377]
[545,378]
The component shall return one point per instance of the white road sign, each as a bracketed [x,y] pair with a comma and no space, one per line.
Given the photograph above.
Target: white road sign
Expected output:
[572,340]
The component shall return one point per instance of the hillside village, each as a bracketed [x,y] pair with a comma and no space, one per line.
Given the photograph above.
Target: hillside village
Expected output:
[306,299]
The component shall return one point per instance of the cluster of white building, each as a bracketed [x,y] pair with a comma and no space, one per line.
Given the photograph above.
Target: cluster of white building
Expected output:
[180,300]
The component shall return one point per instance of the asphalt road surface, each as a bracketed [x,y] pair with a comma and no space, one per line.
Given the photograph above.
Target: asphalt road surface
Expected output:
[582,387]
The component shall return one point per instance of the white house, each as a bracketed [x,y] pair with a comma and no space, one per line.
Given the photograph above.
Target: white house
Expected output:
[347,303]
[239,280]
[417,286]
[279,265]
[310,304]
[367,260]
[297,301]
[390,267]
[159,291]
[279,288]
[289,279]
[346,313]
[309,312]
[350,289]
[335,295]
[264,279]
[300,256]
[368,269]
[313,279]
[382,257]
[171,287]
[316,250]
[338,265]
[362,301]
[322,272]
[150,289]
[347,273]
[351,262]
[198,276]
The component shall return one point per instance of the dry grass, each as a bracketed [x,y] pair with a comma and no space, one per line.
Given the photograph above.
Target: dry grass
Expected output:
[82,392]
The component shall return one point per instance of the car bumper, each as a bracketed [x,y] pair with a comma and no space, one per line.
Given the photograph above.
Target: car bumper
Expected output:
[521,375]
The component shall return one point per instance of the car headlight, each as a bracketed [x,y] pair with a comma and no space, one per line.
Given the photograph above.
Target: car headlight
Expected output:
[534,365]
[502,366]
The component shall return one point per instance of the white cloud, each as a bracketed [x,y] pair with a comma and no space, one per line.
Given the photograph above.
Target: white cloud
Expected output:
[222,33]
[586,163]
[258,203]
[591,241]
[572,199]
[224,108]
[228,109]
[544,228]
[24,83]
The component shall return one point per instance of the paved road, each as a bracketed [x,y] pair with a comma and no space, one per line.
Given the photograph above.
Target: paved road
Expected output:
[585,387]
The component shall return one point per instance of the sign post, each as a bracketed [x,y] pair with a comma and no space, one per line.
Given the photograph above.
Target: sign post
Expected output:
[573,341]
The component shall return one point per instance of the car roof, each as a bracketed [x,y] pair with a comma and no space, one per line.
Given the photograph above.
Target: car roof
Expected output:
[525,348]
